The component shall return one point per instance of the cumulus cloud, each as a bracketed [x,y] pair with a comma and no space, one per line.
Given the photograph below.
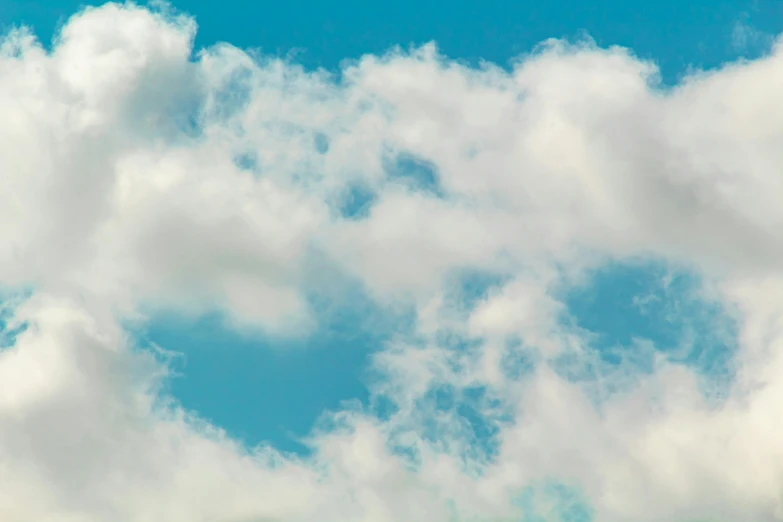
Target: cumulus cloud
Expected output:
[139,176]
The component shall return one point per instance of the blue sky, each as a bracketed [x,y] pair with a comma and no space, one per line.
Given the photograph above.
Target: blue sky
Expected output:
[631,285]
[677,35]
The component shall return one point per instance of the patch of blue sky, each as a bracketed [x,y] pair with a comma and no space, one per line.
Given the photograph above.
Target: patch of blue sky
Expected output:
[418,174]
[247,161]
[382,407]
[465,420]
[321,142]
[553,501]
[257,390]
[484,417]
[10,299]
[518,361]
[8,334]
[414,173]
[634,312]
[270,390]
[357,202]
[469,286]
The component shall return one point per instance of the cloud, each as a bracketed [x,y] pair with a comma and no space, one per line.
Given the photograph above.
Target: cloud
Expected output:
[746,38]
[138,176]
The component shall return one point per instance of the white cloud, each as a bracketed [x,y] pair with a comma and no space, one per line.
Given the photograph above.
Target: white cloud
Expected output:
[122,194]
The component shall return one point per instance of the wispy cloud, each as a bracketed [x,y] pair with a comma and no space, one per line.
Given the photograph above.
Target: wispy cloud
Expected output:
[747,39]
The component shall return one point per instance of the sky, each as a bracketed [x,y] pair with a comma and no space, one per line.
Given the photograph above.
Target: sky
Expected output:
[383,262]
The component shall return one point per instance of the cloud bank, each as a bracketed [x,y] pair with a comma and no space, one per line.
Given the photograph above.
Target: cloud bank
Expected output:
[139,176]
